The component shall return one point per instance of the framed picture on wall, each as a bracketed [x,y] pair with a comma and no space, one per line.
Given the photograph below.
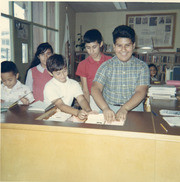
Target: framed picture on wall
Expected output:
[153,30]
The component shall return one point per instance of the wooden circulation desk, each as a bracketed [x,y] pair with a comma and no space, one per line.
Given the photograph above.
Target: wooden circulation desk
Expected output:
[37,150]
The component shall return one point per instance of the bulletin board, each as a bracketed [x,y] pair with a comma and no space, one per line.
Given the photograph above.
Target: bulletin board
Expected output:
[153,30]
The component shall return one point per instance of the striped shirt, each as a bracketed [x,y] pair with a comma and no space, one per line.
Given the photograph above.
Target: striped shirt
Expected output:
[120,79]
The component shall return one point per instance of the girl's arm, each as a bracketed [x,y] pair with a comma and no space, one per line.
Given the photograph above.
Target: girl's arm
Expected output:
[29,80]
[85,88]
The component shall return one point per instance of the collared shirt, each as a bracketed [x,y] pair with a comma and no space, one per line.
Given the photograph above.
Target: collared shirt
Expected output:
[67,91]
[88,67]
[120,79]
[19,90]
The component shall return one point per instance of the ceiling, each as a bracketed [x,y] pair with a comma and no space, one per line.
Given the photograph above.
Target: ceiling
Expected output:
[131,6]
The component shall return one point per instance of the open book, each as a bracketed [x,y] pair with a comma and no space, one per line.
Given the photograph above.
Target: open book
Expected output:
[40,106]
[7,105]
[99,119]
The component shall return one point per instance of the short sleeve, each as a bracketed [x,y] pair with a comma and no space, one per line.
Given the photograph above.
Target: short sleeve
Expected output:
[101,74]
[145,75]
[77,89]
[50,94]
[81,69]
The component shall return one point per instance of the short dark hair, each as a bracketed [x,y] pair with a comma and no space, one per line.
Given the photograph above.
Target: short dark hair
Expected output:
[123,31]
[92,35]
[56,62]
[153,65]
[9,66]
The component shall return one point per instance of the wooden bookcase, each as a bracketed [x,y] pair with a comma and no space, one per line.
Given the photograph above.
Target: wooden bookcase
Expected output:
[162,60]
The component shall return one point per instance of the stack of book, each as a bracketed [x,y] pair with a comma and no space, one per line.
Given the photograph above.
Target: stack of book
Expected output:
[162,92]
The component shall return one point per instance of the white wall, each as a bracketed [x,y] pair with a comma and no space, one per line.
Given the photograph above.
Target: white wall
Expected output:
[106,22]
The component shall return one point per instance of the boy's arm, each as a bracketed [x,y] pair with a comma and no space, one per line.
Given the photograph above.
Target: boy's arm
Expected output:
[81,114]
[65,108]
[83,103]
[96,92]
[85,88]
[139,95]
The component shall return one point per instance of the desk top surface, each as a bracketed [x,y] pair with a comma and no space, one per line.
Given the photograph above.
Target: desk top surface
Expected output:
[156,106]
[144,122]
[136,121]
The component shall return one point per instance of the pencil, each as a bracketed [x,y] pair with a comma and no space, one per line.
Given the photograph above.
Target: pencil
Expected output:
[163,127]
[154,113]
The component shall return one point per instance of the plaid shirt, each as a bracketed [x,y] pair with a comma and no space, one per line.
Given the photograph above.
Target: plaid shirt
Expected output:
[120,79]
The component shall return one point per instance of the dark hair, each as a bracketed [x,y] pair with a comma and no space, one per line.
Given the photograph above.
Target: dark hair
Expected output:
[40,49]
[92,35]
[9,66]
[123,31]
[153,65]
[56,62]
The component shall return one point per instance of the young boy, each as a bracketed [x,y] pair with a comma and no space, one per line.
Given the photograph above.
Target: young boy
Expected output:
[121,83]
[88,67]
[11,88]
[61,90]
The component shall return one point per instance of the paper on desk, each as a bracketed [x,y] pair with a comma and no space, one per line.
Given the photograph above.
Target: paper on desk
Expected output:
[59,116]
[169,112]
[172,121]
[99,119]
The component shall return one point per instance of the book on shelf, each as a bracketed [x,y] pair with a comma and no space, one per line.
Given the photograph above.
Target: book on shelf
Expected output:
[40,106]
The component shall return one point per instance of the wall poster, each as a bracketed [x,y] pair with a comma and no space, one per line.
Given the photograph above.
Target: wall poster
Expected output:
[153,30]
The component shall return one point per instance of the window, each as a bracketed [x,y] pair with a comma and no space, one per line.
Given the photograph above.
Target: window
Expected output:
[38,12]
[4,7]
[38,36]
[43,24]
[5,39]
[21,10]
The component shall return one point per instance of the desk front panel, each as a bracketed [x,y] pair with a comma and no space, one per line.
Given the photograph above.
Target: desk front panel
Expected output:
[45,153]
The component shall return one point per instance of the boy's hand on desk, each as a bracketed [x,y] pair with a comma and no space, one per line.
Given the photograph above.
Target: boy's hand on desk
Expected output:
[82,114]
[109,115]
[25,101]
[121,114]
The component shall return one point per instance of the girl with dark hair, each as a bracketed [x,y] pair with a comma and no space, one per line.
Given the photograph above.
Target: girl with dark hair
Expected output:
[37,74]
[153,73]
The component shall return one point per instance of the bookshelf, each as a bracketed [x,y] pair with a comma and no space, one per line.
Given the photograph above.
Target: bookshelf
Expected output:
[162,60]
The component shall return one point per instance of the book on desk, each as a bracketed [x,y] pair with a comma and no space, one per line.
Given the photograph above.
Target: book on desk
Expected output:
[162,92]
[40,106]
